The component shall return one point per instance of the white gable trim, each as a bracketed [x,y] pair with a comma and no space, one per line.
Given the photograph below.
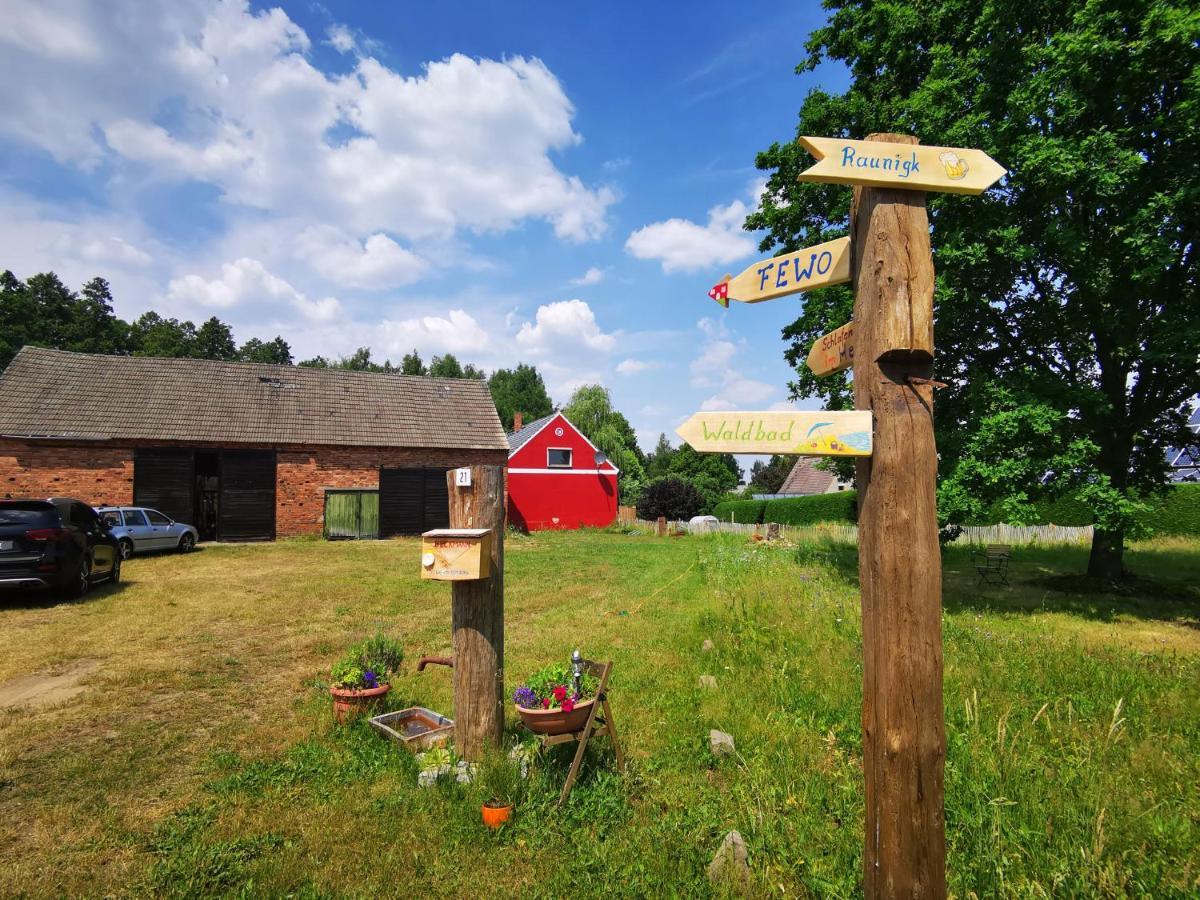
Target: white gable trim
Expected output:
[547,424]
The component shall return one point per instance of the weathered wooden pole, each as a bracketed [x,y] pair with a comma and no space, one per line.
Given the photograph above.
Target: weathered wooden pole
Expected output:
[477,613]
[899,561]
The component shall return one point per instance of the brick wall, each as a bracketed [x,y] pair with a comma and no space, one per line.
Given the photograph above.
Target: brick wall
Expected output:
[104,475]
[96,475]
[303,475]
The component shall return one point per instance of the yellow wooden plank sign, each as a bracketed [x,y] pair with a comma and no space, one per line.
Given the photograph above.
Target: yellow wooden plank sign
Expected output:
[817,433]
[914,167]
[803,270]
[833,352]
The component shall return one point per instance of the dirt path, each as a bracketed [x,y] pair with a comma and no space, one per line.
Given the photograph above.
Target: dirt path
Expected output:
[47,688]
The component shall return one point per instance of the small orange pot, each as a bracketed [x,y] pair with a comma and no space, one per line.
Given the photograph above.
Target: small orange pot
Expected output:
[494,816]
[350,704]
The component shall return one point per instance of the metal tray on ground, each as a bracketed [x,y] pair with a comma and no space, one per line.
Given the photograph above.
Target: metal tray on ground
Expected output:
[416,729]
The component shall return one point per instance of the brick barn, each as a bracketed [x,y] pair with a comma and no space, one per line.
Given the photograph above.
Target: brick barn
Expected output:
[241,450]
[554,479]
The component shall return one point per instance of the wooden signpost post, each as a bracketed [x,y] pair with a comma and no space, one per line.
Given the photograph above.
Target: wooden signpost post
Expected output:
[477,613]
[889,343]
[804,270]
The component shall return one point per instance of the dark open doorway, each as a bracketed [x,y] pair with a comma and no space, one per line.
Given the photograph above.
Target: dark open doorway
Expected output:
[208,493]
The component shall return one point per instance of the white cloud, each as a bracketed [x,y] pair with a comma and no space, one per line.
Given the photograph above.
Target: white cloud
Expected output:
[591,276]
[341,39]
[716,366]
[113,250]
[712,364]
[636,366]
[247,282]
[562,325]
[458,332]
[378,262]
[464,144]
[738,392]
[683,246]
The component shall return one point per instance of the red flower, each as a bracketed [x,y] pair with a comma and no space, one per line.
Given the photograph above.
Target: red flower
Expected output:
[568,705]
[560,693]
[546,703]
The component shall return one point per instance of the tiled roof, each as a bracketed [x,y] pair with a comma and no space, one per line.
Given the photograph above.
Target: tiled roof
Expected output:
[805,478]
[517,439]
[52,393]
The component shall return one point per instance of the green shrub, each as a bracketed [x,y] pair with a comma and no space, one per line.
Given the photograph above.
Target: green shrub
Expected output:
[839,507]
[368,663]
[673,497]
[747,512]
[1177,512]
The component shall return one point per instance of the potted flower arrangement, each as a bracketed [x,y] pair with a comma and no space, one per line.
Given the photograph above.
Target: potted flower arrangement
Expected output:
[361,677]
[555,701]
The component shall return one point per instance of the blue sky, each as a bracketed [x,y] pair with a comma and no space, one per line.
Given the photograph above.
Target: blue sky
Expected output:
[551,183]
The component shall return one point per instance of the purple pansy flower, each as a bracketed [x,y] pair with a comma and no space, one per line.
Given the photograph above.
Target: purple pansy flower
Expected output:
[371,679]
[525,698]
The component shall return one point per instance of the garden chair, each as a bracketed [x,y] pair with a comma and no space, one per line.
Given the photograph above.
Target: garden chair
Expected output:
[992,564]
[597,726]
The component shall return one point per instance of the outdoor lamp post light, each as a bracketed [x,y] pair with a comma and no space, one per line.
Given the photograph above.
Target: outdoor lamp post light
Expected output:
[577,666]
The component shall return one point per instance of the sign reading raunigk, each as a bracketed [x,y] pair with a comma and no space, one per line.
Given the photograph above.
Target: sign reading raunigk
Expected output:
[914,167]
[801,433]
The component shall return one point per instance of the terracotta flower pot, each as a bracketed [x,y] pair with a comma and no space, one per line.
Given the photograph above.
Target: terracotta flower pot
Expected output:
[496,814]
[349,703]
[556,721]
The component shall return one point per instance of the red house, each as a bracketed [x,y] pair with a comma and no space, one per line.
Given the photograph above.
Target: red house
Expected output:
[555,479]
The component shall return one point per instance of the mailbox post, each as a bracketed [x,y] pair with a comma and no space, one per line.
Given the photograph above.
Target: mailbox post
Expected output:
[470,555]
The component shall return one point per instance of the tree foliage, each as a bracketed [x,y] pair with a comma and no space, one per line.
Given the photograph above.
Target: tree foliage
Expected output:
[519,390]
[1074,283]
[590,409]
[674,498]
[768,477]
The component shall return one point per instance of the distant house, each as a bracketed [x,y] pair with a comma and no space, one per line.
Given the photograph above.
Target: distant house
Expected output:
[1184,463]
[806,479]
[241,450]
[557,478]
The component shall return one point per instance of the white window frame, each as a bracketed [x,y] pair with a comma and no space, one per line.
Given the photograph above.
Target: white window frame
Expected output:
[570,451]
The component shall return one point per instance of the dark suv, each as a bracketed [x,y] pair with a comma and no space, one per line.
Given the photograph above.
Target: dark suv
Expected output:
[57,543]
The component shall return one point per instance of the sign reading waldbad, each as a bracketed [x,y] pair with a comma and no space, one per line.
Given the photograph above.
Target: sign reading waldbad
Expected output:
[817,433]
[914,167]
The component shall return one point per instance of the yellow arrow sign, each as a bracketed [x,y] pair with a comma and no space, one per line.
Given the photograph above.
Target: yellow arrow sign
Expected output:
[803,270]
[816,433]
[914,167]
[833,352]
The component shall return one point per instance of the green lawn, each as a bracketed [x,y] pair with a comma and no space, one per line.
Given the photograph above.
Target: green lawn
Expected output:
[201,759]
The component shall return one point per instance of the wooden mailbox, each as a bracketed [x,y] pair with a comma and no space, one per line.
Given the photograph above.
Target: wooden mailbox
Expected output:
[456,554]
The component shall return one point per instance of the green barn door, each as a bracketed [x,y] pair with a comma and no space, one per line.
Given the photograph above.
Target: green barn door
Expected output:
[351,515]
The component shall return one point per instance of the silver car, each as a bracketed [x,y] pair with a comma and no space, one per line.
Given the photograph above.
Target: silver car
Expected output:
[138,529]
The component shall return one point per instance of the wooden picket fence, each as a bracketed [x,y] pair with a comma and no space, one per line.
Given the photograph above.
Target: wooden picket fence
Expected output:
[835,531]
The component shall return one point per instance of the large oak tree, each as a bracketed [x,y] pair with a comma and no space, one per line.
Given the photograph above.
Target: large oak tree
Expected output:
[1072,285]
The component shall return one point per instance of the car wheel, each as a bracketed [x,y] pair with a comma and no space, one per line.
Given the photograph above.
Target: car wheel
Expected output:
[83,579]
[126,546]
[187,543]
[115,575]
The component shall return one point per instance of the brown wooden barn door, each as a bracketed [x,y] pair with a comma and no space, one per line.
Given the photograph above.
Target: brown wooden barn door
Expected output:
[162,480]
[412,501]
[247,504]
